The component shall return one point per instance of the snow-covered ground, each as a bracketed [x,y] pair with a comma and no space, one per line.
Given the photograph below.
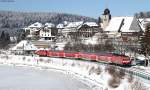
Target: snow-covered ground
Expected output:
[16,78]
[97,77]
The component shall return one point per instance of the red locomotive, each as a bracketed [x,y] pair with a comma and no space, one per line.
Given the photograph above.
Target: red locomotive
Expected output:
[99,57]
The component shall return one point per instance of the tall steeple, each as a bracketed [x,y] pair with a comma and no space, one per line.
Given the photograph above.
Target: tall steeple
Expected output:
[105,17]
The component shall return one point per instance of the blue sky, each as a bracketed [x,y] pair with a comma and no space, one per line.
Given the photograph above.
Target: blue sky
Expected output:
[92,8]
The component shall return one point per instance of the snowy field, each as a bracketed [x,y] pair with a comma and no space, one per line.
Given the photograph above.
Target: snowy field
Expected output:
[16,78]
[95,76]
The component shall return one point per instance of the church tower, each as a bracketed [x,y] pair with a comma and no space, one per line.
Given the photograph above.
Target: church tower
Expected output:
[105,18]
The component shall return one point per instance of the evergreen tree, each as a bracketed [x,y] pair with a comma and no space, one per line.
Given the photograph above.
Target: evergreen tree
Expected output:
[141,15]
[4,40]
[2,37]
[145,41]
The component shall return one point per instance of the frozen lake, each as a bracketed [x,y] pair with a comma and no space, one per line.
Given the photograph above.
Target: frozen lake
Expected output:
[23,78]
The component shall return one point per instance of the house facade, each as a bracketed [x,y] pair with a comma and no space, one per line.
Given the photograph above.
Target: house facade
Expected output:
[124,32]
[47,31]
[71,27]
[33,29]
[88,29]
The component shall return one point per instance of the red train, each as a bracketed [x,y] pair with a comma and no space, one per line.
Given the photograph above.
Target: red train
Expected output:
[99,57]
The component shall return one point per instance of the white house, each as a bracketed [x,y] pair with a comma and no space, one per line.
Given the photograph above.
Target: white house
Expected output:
[23,47]
[60,27]
[33,29]
[47,32]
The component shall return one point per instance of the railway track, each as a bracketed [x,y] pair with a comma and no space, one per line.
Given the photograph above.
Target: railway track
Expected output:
[128,70]
[131,71]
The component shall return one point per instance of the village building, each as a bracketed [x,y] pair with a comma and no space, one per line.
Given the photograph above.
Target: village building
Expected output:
[48,32]
[88,29]
[80,29]
[124,32]
[105,19]
[126,26]
[33,29]
[60,27]
[71,27]
[24,47]
[40,31]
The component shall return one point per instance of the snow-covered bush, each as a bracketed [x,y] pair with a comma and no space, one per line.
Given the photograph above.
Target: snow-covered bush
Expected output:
[130,78]
[116,75]
[23,58]
[91,70]
[114,82]
[96,70]
[136,85]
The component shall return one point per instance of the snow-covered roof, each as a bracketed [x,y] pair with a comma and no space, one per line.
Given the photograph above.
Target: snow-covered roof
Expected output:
[135,25]
[25,45]
[143,22]
[36,25]
[91,24]
[123,24]
[127,24]
[60,26]
[74,24]
[114,24]
[50,25]
[65,22]
[145,19]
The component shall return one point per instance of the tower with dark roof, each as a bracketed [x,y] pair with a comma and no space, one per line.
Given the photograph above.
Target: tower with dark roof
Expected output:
[105,18]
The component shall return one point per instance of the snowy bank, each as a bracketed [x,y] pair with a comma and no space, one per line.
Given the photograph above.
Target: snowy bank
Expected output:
[98,77]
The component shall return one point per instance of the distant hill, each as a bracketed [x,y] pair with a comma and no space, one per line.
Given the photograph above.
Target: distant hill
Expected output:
[143,14]
[12,21]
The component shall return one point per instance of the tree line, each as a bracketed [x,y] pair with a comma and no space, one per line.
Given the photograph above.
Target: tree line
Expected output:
[12,22]
[143,14]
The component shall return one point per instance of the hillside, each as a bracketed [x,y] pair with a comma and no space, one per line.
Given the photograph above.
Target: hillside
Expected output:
[12,21]
[143,14]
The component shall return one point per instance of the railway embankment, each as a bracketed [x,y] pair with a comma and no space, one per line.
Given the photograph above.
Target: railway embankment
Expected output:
[97,76]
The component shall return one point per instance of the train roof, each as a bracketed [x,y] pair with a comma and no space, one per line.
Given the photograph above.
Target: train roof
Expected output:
[92,53]
[106,53]
[98,53]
